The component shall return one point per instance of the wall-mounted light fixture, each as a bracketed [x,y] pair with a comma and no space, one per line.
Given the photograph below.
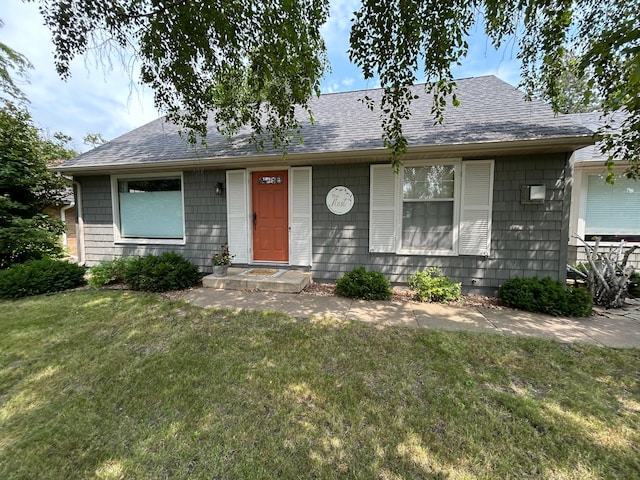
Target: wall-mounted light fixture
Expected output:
[219,188]
[532,194]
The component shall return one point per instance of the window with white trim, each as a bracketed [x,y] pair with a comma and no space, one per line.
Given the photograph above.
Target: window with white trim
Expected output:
[432,208]
[148,208]
[612,211]
[428,206]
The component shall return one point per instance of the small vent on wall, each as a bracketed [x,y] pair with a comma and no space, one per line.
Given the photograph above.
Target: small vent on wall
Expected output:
[532,194]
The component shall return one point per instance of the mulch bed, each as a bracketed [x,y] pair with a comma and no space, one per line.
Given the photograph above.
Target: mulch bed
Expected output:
[404,294]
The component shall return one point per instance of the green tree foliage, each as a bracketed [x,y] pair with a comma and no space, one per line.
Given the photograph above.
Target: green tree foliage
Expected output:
[93,139]
[27,188]
[576,93]
[393,38]
[255,63]
[251,63]
[12,64]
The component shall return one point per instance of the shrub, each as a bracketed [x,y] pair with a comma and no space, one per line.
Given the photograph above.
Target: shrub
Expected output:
[634,285]
[546,296]
[36,277]
[111,271]
[169,271]
[432,286]
[579,302]
[358,283]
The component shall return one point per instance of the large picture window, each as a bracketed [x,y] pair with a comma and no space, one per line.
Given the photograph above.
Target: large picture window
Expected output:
[149,208]
[612,211]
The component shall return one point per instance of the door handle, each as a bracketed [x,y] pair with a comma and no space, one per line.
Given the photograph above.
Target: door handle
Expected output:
[255,219]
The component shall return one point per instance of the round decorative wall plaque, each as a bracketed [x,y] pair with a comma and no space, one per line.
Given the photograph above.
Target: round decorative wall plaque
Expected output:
[340,200]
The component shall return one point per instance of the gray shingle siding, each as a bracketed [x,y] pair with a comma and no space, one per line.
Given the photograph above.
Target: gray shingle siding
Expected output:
[527,240]
[340,242]
[205,220]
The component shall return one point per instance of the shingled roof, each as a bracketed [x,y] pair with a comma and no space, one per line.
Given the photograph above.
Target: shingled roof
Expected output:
[491,112]
[594,121]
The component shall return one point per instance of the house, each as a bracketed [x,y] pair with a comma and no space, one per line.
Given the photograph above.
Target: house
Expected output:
[485,195]
[599,209]
[65,211]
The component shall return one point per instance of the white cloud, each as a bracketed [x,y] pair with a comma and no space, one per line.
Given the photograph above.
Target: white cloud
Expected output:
[340,15]
[336,31]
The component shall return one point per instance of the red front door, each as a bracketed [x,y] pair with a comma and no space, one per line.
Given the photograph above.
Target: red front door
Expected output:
[270,216]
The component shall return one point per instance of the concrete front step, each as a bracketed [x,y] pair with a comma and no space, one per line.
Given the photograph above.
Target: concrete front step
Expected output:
[264,279]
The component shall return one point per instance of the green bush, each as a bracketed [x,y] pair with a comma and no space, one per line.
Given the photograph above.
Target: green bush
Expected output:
[546,296]
[579,302]
[432,286]
[36,277]
[169,271]
[358,283]
[634,285]
[106,273]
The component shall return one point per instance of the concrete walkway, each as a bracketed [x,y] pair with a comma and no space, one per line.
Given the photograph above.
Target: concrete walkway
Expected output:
[618,329]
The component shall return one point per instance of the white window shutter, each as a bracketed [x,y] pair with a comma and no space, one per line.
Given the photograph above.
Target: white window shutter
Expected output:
[238,215]
[382,209]
[476,207]
[300,216]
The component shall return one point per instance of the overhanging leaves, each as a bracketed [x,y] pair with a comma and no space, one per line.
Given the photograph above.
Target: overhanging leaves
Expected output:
[247,63]
[256,63]
[12,64]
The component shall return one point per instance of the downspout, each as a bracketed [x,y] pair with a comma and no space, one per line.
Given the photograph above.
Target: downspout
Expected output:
[80,225]
[63,218]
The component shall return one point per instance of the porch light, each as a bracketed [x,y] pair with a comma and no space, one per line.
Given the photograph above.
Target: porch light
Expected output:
[219,188]
[531,194]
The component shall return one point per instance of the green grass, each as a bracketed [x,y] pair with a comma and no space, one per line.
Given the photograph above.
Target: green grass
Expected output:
[108,384]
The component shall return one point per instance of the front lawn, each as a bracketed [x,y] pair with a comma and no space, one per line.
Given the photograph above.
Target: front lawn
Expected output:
[110,384]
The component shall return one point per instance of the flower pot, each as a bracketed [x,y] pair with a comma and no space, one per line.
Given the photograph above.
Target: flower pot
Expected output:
[220,270]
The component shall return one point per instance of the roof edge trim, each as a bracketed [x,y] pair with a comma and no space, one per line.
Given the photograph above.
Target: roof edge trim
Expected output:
[557,144]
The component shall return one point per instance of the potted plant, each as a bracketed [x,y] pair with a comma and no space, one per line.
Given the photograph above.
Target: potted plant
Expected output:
[221,260]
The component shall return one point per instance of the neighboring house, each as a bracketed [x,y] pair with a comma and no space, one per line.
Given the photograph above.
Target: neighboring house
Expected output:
[599,209]
[485,196]
[66,212]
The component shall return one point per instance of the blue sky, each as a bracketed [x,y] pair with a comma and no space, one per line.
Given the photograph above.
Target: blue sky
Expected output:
[111,103]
